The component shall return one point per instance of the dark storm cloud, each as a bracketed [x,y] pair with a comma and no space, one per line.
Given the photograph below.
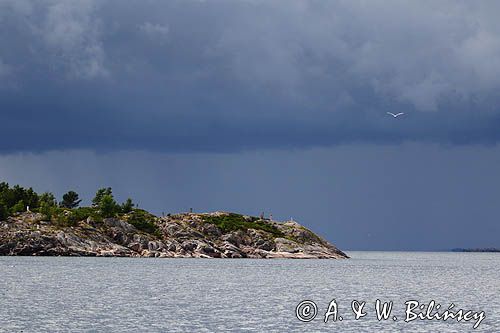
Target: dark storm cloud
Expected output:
[229,76]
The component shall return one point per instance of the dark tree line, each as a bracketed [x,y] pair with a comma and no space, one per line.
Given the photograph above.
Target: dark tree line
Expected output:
[17,199]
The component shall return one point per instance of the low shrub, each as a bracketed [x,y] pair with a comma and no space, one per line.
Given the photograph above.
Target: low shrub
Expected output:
[234,222]
[143,221]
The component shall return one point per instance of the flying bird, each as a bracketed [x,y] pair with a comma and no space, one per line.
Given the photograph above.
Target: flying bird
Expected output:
[396,115]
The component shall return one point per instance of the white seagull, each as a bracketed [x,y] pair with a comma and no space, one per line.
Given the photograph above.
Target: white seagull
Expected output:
[396,115]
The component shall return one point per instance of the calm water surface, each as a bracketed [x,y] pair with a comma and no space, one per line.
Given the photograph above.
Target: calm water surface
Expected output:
[200,295]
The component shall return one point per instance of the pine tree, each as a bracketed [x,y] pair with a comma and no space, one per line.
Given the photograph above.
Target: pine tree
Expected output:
[100,194]
[127,206]
[70,200]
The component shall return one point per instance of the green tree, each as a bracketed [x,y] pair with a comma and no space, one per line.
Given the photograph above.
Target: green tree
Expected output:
[4,188]
[47,210]
[47,199]
[70,200]
[7,195]
[12,196]
[108,206]
[127,206]
[100,194]
[4,212]
[4,209]
[30,198]
[18,207]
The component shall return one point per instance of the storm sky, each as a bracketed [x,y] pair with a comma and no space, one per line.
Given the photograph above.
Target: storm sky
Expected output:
[275,106]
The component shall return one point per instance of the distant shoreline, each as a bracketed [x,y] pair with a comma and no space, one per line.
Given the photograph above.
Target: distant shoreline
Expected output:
[477,250]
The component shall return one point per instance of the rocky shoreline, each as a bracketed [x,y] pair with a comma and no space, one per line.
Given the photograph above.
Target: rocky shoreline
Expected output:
[186,235]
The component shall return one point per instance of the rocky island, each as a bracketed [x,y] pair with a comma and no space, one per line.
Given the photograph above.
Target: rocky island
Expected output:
[209,235]
[108,229]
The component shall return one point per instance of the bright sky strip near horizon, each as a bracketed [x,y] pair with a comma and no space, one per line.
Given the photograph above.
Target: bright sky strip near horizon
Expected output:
[278,106]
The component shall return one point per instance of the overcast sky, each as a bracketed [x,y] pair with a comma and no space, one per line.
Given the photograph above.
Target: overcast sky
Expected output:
[264,105]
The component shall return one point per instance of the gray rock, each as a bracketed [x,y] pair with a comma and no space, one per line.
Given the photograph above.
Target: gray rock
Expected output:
[137,247]
[122,225]
[189,245]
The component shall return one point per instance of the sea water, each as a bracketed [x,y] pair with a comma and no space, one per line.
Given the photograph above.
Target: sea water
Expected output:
[63,294]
